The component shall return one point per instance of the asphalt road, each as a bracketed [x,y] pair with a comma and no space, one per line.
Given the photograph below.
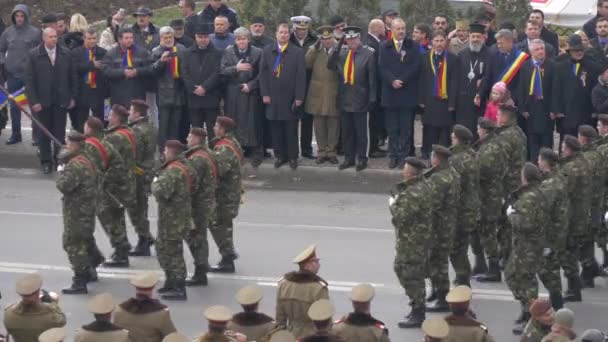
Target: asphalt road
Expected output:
[352,230]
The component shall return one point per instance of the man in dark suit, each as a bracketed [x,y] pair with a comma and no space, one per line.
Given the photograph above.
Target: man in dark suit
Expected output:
[533,31]
[51,88]
[602,12]
[546,35]
[600,42]
[399,63]
[375,35]
[92,87]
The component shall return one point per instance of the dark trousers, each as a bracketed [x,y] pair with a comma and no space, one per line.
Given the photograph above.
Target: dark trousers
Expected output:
[376,126]
[204,117]
[169,118]
[284,139]
[184,125]
[82,112]
[306,134]
[434,135]
[536,142]
[54,119]
[399,123]
[13,84]
[354,135]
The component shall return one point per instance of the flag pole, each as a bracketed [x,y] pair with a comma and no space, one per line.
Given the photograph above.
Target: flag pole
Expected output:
[31,116]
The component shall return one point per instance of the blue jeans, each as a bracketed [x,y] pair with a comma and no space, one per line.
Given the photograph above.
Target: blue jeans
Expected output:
[13,84]
[399,123]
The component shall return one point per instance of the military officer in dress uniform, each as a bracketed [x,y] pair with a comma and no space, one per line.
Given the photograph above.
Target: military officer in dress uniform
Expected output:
[102,329]
[462,326]
[146,318]
[52,335]
[359,325]
[218,318]
[281,336]
[321,312]
[435,330]
[26,320]
[297,291]
[250,322]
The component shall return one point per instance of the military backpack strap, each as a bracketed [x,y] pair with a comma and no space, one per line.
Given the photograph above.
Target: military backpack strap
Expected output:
[230,144]
[184,170]
[84,161]
[207,157]
[102,151]
[129,135]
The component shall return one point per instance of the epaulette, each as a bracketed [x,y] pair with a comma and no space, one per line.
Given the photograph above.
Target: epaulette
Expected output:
[341,320]
[484,328]
[323,283]
[369,48]
[380,326]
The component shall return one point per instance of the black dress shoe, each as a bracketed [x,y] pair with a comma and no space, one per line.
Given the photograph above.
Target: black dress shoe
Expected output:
[333,160]
[361,165]
[47,168]
[393,163]
[279,162]
[346,164]
[14,139]
[293,164]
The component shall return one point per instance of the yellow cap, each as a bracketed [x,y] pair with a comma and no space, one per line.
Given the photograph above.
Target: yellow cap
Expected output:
[459,294]
[306,254]
[321,310]
[218,313]
[435,327]
[249,295]
[362,293]
[28,284]
[462,25]
[282,336]
[101,304]
[145,280]
[176,337]
[52,335]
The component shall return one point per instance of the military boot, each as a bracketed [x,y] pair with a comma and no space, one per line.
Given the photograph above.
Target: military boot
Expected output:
[441,305]
[120,259]
[520,323]
[199,278]
[574,290]
[605,263]
[587,278]
[480,267]
[142,248]
[79,286]
[167,286]
[92,275]
[433,296]
[462,280]
[226,265]
[178,292]
[414,319]
[493,275]
[557,301]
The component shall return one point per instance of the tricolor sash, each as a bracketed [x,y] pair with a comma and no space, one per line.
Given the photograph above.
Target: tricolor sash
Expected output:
[440,75]
[127,58]
[174,64]
[349,68]
[91,76]
[511,70]
[207,157]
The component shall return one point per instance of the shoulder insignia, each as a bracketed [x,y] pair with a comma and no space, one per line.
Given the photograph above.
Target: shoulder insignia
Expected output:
[281,280]
[369,48]
[323,283]
[484,328]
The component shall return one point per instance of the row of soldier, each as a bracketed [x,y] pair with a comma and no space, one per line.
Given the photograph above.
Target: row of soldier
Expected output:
[528,220]
[108,172]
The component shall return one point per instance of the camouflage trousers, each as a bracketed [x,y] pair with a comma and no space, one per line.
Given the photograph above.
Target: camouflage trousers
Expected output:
[569,257]
[138,212]
[504,236]
[112,219]
[409,266]
[438,261]
[197,240]
[488,231]
[520,273]
[170,254]
[79,243]
[459,255]
[549,273]
[221,229]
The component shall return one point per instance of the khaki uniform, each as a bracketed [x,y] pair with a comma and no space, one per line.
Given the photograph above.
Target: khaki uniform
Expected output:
[26,323]
[322,336]
[296,293]
[214,337]
[254,325]
[463,328]
[553,337]
[146,320]
[102,332]
[360,327]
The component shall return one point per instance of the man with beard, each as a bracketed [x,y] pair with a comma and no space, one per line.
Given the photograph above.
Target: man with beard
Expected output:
[472,66]
[257,29]
[339,24]
[600,42]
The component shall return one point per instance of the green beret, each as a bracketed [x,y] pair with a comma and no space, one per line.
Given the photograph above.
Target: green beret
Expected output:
[462,133]
[572,143]
[531,172]
[175,144]
[442,151]
[415,163]
[587,131]
[486,124]
[75,136]
[549,155]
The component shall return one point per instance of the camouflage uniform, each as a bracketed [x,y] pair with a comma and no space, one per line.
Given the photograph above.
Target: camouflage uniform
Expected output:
[555,192]
[577,172]
[172,192]
[601,238]
[203,202]
[145,140]
[535,331]
[465,163]
[492,161]
[228,155]
[78,184]
[445,185]
[411,214]
[527,221]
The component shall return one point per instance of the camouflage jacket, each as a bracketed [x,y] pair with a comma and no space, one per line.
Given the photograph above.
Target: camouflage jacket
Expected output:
[513,141]
[172,190]
[411,209]
[123,139]
[146,143]
[205,169]
[228,155]
[534,331]
[445,186]
[77,182]
[109,166]
[555,192]
[527,219]
[577,172]
[599,165]
[465,163]
[492,161]
[602,148]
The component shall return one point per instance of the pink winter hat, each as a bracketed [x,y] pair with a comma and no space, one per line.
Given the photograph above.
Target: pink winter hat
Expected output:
[500,87]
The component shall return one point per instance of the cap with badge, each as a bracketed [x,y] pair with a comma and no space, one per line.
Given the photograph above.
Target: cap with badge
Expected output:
[76,137]
[351,32]
[29,284]
[52,335]
[415,163]
[321,310]
[459,294]
[462,25]
[325,32]
[307,254]
[300,21]
[463,133]
[199,132]
[176,337]
[145,280]
[282,336]
[442,151]
[226,122]
[143,11]
[362,293]
[101,304]
[218,313]
[540,307]
[435,328]
[249,295]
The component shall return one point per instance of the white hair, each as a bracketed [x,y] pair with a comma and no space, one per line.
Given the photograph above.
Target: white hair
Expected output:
[242,32]
[537,42]
[166,30]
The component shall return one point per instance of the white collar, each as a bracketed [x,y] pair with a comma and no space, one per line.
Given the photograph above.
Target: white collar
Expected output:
[373,35]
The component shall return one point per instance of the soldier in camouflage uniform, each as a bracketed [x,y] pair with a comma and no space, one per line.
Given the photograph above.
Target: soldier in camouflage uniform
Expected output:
[203,202]
[172,190]
[228,155]
[145,140]
[411,210]
[445,186]
[77,182]
[122,138]
[588,137]
[464,161]
[555,192]
[539,325]
[526,214]
[492,161]
[577,171]
[601,237]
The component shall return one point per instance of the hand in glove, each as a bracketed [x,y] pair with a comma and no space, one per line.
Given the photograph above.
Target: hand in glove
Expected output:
[606,217]
[155,180]
[60,168]
[392,200]
[510,210]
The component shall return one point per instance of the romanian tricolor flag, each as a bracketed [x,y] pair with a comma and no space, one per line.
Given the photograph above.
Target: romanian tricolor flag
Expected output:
[349,68]
[3,99]
[91,76]
[127,58]
[19,97]
[174,64]
[440,73]
[278,62]
[511,70]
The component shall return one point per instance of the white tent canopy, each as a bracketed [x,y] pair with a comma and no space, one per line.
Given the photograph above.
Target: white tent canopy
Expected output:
[568,13]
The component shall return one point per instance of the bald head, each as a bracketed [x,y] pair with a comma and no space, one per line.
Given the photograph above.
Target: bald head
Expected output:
[376,27]
[49,36]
